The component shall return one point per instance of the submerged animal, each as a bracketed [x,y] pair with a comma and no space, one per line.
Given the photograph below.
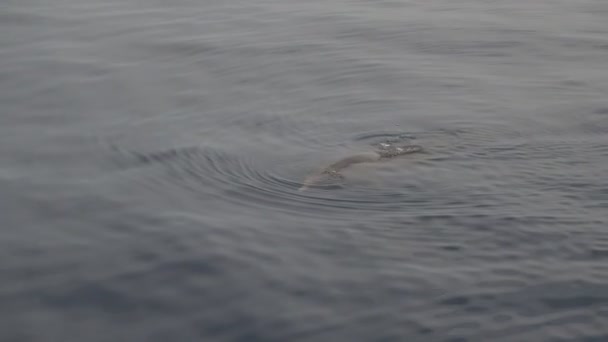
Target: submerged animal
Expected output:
[385,151]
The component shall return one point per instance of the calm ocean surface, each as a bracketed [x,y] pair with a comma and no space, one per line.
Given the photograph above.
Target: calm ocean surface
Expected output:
[151,152]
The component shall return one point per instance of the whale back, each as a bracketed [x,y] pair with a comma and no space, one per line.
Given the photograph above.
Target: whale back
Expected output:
[332,172]
[356,159]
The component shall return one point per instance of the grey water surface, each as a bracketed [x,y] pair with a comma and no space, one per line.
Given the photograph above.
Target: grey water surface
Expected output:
[151,152]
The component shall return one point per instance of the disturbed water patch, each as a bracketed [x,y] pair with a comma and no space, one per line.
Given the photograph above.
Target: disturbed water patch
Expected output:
[267,182]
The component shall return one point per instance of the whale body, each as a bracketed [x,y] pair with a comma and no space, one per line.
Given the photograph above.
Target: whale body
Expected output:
[333,171]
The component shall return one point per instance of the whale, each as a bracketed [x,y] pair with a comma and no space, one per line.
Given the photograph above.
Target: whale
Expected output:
[333,171]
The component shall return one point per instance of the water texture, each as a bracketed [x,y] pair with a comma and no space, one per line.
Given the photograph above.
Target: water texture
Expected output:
[151,152]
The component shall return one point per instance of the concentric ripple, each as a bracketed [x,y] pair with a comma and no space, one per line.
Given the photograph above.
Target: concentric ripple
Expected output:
[411,184]
[248,182]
